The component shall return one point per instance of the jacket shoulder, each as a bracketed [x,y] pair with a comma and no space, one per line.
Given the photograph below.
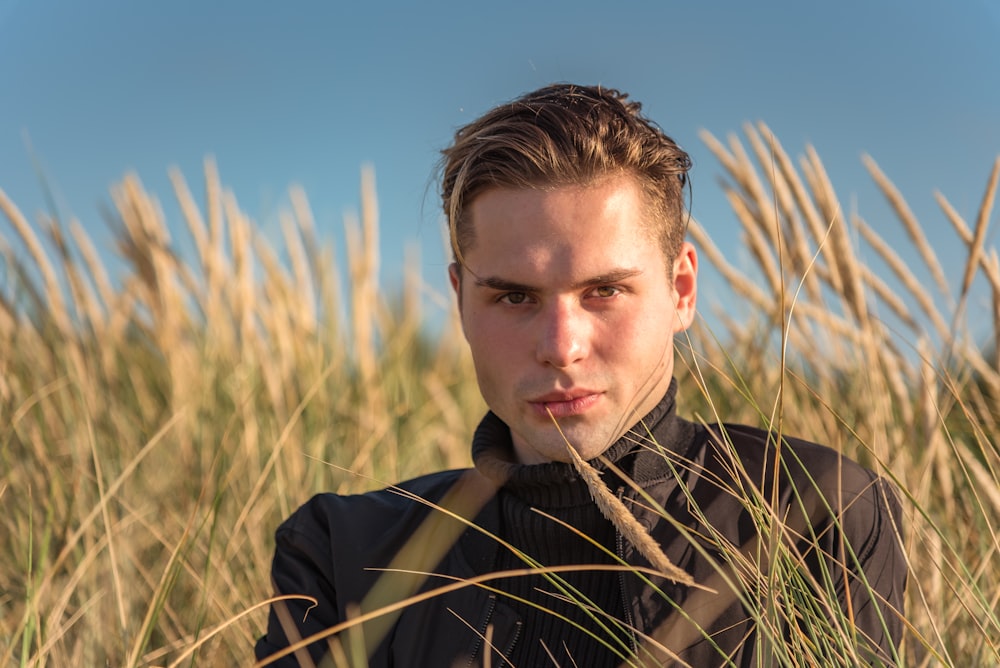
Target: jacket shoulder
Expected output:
[329,513]
[803,463]
[328,552]
[844,518]
[813,479]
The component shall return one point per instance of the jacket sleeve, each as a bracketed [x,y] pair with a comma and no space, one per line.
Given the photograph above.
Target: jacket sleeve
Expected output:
[302,568]
[877,599]
[865,564]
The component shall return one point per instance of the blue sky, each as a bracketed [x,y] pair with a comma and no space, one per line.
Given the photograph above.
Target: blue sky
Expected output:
[308,92]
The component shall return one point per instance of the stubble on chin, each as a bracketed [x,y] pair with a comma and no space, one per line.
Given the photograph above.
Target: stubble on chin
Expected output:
[552,445]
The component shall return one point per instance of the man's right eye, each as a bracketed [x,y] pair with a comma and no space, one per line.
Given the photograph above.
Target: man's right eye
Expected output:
[513,298]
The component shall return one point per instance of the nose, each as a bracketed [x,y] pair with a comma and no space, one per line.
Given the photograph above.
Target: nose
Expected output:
[564,335]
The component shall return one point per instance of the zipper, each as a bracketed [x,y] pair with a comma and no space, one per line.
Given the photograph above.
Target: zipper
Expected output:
[510,646]
[629,619]
[481,631]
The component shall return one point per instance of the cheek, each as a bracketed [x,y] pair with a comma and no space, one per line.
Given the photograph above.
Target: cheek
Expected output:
[490,345]
[637,334]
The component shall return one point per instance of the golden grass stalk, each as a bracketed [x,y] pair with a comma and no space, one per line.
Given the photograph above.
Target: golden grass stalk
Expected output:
[903,272]
[986,264]
[979,236]
[839,252]
[52,293]
[739,282]
[909,221]
[789,233]
[615,511]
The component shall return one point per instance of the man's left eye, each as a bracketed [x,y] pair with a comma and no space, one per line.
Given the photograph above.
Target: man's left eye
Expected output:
[605,291]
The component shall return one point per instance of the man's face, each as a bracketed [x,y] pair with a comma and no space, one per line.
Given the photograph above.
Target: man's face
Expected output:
[570,309]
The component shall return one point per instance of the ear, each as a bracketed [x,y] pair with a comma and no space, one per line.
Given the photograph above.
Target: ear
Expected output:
[685,278]
[455,278]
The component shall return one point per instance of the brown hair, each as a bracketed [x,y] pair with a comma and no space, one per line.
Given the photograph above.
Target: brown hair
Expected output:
[561,135]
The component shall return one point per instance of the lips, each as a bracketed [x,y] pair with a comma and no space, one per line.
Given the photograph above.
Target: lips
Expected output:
[564,404]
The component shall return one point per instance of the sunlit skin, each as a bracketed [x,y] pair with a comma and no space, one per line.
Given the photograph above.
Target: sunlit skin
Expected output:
[570,310]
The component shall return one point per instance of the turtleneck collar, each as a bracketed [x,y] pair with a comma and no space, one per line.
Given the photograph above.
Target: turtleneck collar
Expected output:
[636,453]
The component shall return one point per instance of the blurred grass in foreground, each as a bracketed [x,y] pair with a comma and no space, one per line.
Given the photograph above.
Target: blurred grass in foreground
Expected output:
[155,428]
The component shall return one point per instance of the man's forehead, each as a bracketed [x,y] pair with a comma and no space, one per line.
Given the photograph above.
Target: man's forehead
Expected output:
[614,210]
[537,250]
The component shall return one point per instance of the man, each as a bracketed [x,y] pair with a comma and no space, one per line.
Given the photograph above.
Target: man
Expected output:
[597,528]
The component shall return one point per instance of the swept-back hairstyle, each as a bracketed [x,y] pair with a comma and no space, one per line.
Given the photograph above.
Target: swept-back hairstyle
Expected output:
[562,135]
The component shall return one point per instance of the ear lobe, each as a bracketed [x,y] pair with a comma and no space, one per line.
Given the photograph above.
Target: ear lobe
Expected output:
[685,286]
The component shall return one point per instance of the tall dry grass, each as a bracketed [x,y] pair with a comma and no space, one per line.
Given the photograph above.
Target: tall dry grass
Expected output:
[156,425]
[894,363]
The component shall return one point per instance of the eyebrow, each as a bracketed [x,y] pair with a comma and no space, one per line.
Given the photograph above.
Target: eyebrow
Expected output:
[613,276]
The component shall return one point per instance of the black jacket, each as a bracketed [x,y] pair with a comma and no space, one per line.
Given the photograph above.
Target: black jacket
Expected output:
[840,529]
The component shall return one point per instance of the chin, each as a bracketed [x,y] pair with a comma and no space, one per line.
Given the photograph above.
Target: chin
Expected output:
[588,454]
[546,444]
[587,451]
[588,439]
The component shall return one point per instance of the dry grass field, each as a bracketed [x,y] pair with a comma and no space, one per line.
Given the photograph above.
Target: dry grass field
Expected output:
[156,425]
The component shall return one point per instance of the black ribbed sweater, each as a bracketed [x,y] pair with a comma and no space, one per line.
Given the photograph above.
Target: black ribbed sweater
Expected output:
[548,516]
